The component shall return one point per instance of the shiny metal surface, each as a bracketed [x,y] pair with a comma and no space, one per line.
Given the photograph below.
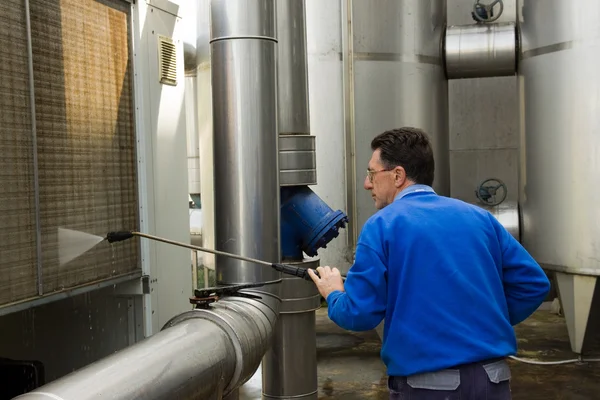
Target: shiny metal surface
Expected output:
[297,160]
[245,151]
[291,372]
[243,19]
[293,72]
[199,354]
[507,213]
[300,296]
[561,133]
[481,50]
[347,44]
[399,80]
[246,156]
[294,345]
[295,342]
[559,148]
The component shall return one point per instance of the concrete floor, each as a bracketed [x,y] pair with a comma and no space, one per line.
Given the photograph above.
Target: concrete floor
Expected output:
[349,367]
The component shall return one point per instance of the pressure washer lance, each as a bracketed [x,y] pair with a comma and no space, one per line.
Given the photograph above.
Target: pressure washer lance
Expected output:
[112,237]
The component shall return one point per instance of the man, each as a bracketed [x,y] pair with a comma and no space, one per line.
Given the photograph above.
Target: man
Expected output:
[448,280]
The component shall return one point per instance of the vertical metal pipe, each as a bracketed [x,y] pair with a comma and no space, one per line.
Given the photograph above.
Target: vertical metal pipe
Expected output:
[246,175]
[36,184]
[294,370]
[244,84]
[293,77]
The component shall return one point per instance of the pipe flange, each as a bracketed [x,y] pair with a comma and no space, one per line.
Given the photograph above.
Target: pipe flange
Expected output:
[302,305]
[222,323]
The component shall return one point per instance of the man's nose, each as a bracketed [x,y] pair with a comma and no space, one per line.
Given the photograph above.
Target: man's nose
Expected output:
[367,184]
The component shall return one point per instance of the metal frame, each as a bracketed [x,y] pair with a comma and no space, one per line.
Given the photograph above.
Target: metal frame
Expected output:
[350,132]
[77,290]
[36,184]
[142,192]
[140,70]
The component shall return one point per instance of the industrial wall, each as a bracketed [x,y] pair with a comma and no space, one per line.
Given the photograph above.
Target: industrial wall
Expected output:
[484,122]
[483,129]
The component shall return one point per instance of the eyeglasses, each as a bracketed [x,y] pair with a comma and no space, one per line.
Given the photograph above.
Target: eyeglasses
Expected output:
[370,173]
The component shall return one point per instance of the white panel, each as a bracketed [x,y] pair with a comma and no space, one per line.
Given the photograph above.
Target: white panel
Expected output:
[163,127]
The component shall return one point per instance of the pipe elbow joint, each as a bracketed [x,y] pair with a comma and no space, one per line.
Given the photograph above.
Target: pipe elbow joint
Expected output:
[307,222]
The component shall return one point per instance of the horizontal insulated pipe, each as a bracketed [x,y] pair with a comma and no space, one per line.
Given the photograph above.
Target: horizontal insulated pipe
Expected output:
[200,354]
[481,50]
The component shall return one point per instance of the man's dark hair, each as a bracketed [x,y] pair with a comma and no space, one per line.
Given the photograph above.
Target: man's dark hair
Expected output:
[408,148]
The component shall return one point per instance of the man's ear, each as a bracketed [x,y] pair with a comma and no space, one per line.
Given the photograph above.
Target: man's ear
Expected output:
[399,176]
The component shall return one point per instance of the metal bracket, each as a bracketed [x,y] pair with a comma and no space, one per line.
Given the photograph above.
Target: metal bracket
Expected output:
[135,287]
[204,297]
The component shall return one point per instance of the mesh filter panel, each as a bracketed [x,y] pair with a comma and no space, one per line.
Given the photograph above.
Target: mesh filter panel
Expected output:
[17,208]
[85,138]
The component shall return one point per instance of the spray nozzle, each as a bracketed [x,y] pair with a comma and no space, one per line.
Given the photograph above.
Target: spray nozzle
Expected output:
[112,237]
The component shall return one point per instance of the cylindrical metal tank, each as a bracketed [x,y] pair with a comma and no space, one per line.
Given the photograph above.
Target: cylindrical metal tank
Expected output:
[398,79]
[507,214]
[560,148]
[481,50]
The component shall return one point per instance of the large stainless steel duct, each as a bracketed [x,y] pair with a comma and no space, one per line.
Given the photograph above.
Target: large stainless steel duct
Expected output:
[246,186]
[560,166]
[481,50]
[201,354]
[243,42]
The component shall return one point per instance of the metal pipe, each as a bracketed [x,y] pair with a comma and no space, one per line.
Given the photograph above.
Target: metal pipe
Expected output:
[293,68]
[243,41]
[348,77]
[480,51]
[200,354]
[244,85]
[293,372]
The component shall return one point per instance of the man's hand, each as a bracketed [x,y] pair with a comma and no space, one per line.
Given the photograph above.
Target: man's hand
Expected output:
[329,281]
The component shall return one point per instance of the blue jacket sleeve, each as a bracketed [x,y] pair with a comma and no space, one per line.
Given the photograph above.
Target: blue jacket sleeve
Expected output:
[362,305]
[525,282]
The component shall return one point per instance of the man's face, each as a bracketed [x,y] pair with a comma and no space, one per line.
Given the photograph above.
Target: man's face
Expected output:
[381,182]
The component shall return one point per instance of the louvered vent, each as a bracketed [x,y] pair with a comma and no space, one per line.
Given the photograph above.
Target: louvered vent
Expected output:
[167,61]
